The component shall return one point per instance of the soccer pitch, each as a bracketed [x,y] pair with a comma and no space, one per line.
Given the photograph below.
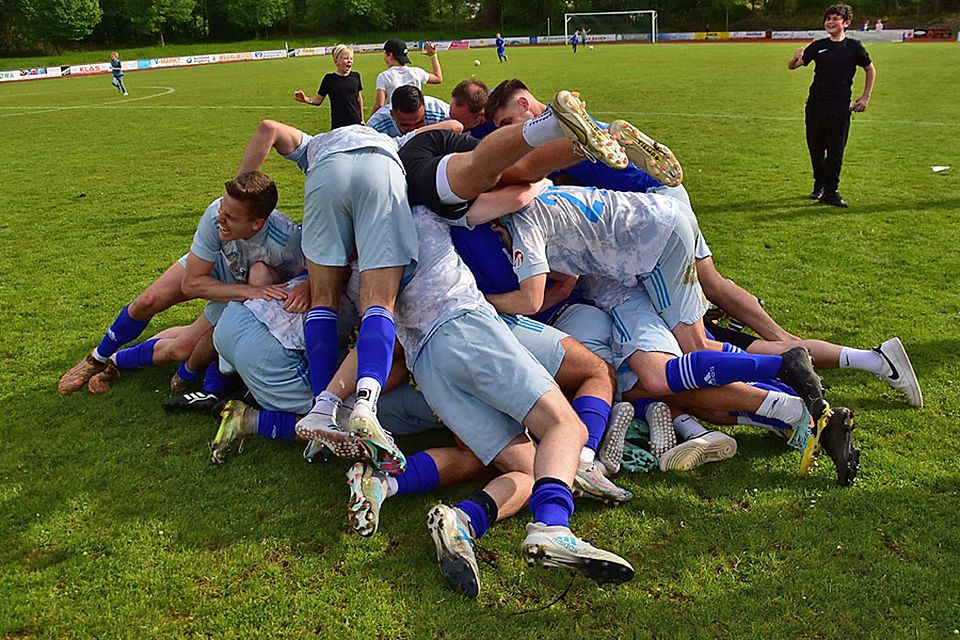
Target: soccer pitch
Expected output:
[115,523]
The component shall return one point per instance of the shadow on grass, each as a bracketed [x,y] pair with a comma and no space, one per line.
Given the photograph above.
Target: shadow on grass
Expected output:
[795,207]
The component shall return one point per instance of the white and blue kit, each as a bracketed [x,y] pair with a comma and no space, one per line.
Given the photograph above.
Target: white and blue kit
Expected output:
[435,110]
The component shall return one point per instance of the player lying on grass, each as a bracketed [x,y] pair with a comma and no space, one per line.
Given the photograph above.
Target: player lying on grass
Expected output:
[236,231]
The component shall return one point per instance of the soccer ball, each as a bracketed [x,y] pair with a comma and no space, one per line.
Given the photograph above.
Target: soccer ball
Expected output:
[476,63]
[591,47]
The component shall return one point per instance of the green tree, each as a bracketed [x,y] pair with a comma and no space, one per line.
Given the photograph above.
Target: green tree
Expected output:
[59,21]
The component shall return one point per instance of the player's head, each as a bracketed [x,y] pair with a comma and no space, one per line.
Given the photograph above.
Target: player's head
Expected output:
[512,103]
[837,18]
[407,108]
[467,102]
[342,58]
[247,202]
[395,53]
[113,55]
[498,34]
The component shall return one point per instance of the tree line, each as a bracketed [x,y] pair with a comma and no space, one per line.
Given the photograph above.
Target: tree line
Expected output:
[46,24]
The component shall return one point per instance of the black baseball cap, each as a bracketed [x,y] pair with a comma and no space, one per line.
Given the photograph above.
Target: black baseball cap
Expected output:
[399,50]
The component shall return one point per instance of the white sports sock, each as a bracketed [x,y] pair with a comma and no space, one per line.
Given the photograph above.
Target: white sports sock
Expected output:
[587,456]
[753,423]
[327,404]
[392,486]
[687,428]
[865,360]
[781,406]
[96,356]
[541,130]
[368,391]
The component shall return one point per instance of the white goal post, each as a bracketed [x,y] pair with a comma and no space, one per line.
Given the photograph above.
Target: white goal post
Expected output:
[627,15]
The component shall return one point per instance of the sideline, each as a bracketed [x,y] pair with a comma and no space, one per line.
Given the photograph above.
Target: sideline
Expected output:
[799,118]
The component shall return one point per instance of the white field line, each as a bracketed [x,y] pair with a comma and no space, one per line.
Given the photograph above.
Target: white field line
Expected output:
[164,91]
[740,116]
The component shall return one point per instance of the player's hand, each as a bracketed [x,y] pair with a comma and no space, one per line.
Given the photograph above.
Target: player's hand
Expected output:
[269,292]
[798,55]
[298,300]
[429,49]
[299,96]
[860,105]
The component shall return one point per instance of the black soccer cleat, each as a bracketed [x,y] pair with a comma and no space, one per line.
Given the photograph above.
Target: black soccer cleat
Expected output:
[834,200]
[193,402]
[837,442]
[797,371]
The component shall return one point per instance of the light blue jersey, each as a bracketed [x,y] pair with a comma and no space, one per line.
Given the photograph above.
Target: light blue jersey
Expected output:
[435,110]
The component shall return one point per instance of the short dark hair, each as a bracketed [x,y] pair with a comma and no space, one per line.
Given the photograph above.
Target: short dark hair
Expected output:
[407,99]
[255,189]
[473,93]
[841,9]
[501,94]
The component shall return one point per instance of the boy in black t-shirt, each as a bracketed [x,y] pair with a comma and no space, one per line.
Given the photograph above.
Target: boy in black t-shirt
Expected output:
[829,104]
[343,87]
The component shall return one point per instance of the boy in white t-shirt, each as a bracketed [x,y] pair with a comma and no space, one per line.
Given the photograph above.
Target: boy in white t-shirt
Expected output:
[399,73]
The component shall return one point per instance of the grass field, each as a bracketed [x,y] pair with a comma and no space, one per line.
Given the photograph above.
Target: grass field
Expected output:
[115,524]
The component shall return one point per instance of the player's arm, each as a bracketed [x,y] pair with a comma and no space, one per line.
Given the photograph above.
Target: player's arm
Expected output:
[797,60]
[316,100]
[560,290]
[527,300]
[436,77]
[360,105]
[270,134]
[378,101]
[861,103]
[198,283]
[492,204]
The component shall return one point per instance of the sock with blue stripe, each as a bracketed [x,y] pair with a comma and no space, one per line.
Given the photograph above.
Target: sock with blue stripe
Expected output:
[213,380]
[714,369]
[123,330]
[729,348]
[481,510]
[136,357]
[378,331]
[320,334]
[594,413]
[551,502]
[420,476]
[277,425]
[185,374]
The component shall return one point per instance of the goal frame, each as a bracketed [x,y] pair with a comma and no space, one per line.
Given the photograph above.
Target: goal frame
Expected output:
[651,12]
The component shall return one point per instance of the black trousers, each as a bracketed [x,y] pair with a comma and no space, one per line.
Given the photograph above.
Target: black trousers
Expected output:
[828,124]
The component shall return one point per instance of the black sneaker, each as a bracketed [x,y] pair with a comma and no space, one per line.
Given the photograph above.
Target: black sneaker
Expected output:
[797,371]
[195,401]
[817,193]
[833,199]
[837,441]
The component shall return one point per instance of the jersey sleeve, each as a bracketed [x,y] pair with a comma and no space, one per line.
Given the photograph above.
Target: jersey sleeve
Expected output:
[382,122]
[529,253]
[423,74]
[809,53]
[299,155]
[206,240]
[324,89]
[293,260]
[382,81]
[863,58]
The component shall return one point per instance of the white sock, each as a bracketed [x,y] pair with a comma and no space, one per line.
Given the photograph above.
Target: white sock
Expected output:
[687,428]
[96,356]
[327,404]
[781,406]
[587,456]
[392,486]
[368,391]
[865,360]
[541,130]
[753,423]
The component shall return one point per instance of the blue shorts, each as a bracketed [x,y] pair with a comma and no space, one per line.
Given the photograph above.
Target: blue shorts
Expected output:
[404,411]
[638,327]
[590,326]
[541,340]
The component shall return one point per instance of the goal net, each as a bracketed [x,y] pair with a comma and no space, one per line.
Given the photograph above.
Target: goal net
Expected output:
[612,26]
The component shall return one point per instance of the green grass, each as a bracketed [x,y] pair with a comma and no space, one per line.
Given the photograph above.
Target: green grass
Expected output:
[115,524]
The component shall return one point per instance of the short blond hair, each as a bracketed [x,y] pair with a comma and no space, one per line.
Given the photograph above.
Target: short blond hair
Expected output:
[339,50]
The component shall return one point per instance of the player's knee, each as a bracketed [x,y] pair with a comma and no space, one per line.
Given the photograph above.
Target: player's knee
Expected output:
[261,275]
[146,305]
[652,381]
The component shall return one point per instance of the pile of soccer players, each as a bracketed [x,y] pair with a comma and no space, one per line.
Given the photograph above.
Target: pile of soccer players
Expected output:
[440,280]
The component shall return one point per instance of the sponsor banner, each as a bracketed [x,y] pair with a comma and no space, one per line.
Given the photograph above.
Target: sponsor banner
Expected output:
[143,64]
[53,72]
[305,51]
[88,69]
[748,35]
[272,54]
[236,57]
[634,37]
[933,34]
[602,37]
[203,59]
[35,71]
[679,36]
[367,48]
[7,76]
[712,35]
[164,62]
[887,35]
[128,65]
[460,44]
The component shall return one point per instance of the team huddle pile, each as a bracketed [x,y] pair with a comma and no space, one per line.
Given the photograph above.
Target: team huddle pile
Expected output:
[488,301]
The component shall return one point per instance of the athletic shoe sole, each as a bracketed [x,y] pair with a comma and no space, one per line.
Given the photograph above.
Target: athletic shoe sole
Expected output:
[586,135]
[79,375]
[824,412]
[364,515]
[903,378]
[586,484]
[610,452]
[384,454]
[651,156]
[712,446]
[460,573]
[837,441]
[601,570]
[662,436]
[102,382]
[343,444]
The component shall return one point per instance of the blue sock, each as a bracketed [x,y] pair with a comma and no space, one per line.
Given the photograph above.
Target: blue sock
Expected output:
[714,369]
[277,425]
[136,357]
[123,330]
[213,381]
[479,518]
[185,374]
[378,330]
[420,476]
[729,348]
[551,502]
[320,334]
[594,413]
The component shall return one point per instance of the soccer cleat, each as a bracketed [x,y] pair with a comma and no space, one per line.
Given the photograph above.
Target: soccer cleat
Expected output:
[557,547]
[103,381]
[196,401]
[901,376]
[320,428]
[591,482]
[712,446]
[384,454]
[834,200]
[230,433]
[610,452]
[454,541]
[817,193]
[649,155]
[662,436]
[366,496]
[178,384]
[797,371]
[588,137]
[836,438]
[79,375]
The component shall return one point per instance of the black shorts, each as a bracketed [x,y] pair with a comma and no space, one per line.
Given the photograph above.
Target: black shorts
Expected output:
[421,157]
[722,334]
